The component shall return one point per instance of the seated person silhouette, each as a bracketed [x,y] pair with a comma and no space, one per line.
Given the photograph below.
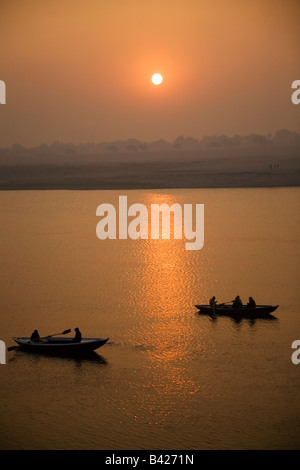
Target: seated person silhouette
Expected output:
[237,303]
[77,338]
[251,303]
[35,336]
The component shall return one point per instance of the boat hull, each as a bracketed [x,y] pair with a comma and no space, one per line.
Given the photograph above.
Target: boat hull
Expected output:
[61,346]
[260,311]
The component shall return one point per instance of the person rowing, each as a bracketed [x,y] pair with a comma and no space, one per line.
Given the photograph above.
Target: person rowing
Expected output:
[212,302]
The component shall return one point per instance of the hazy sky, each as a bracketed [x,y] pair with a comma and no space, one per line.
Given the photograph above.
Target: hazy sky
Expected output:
[80,70]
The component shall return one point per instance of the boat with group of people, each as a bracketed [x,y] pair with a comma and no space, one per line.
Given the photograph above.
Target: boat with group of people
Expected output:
[235,308]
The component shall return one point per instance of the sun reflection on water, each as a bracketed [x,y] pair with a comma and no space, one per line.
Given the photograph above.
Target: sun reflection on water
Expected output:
[166,299]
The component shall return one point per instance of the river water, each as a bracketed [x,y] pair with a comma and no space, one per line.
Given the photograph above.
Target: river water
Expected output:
[168,378]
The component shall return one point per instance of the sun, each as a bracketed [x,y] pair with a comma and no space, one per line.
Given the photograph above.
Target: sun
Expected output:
[157,79]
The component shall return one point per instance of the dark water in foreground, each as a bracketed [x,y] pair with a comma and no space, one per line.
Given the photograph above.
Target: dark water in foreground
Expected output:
[168,378]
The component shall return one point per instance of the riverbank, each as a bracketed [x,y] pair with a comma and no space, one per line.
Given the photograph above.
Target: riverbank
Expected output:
[201,173]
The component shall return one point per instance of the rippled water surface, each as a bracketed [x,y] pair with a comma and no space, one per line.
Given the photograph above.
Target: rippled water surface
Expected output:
[168,378]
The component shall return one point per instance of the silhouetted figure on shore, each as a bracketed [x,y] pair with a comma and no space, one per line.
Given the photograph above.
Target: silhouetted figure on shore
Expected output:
[237,303]
[251,303]
[35,336]
[77,338]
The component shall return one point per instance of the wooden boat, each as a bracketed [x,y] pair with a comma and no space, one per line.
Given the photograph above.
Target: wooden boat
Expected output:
[60,345]
[260,311]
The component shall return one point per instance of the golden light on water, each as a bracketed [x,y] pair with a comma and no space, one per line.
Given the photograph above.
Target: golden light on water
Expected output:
[166,289]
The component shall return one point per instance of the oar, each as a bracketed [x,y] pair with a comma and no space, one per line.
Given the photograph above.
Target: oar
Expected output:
[56,334]
[223,303]
[11,348]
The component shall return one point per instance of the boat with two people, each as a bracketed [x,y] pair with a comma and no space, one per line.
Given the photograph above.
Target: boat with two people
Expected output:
[58,345]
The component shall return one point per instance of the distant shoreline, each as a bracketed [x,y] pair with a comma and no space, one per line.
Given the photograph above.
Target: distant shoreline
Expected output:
[215,173]
[125,188]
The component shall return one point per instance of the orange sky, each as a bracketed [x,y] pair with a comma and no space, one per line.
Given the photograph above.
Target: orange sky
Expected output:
[80,70]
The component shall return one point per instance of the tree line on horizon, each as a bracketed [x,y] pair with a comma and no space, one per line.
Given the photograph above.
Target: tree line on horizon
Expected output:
[281,138]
